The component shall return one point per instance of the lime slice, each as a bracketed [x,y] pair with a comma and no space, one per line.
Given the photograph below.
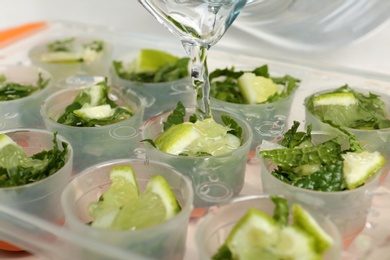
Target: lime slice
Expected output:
[154,206]
[150,60]
[257,89]
[359,167]
[90,55]
[95,93]
[210,129]
[296,243]
[254,236]
[340,99]
[62,57]
[217,146]
[205,136]
[177,138]
[12,155]
[214,138]
[124,188]
[6,140]
[306,222]
[97,112]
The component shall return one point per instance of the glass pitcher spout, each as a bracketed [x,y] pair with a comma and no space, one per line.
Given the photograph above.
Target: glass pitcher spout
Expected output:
[202,21]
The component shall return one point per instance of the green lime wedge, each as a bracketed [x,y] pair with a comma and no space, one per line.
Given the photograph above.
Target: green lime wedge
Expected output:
[359,167]
[306,222]
[6,140]
[62,57]
[210,129]
[256,89]
[177,138]
[150,60]
[12,156]
[214,138]
[124,188]
[97,112]
[254,236]
[331,99]
[96,94]
[296,243]
[221,145]
[154,206]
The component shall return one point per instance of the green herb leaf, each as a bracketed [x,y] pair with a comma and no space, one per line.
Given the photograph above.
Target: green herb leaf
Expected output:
[235,128]
[39,166]
[329,178]
[166,73]
[176,117]
[84,98]
[223,253]
[327,152]
[95,45]
[149,141]
[12,90]
[368,113]
[281,210]
[65,45]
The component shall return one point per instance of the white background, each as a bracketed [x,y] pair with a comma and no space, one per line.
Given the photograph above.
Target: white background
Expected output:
[372,54]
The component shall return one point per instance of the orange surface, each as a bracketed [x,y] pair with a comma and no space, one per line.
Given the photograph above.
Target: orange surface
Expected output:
[11,35]
[9,247]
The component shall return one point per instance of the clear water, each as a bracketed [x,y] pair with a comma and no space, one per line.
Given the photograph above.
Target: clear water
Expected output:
[199,24]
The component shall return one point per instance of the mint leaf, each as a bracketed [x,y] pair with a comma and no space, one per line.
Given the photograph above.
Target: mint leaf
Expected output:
[281,210]
[13,90]
[61,45]
[223,253]
[235,128]
[176,117]
[42,165]
[149,141]
[84,98]
[166,73]
[327,152]
[329,178]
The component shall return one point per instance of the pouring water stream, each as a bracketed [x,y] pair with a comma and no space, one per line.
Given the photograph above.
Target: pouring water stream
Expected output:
[199,24]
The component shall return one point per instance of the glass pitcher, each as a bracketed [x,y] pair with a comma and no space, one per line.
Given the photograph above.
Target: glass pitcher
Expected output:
[312,24]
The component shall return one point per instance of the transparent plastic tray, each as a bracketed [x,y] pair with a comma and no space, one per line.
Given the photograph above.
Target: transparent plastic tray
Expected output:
[32,233]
